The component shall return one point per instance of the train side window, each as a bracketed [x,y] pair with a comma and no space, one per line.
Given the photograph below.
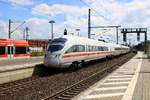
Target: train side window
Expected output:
[95,48]
[76,48]
[81,48]
[72,49]
[2,50]
[90,48]
[100,48]
[20,50]
[105,48]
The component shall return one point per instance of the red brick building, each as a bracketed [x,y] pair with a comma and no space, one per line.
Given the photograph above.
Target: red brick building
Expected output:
[38,43]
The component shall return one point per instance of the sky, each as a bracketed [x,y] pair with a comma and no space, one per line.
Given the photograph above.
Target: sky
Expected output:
[72,15]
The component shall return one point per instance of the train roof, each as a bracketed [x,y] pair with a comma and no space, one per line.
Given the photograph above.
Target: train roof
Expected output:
[83,40]
[80,40]
[5,42]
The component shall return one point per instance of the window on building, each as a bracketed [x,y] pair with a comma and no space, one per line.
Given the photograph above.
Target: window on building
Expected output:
[2,50]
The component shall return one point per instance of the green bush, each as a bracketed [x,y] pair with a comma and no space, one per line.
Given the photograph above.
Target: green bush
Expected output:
[37,54]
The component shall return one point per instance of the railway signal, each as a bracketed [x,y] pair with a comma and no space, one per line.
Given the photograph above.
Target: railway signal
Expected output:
[124,37]
[138,36]
[138,31]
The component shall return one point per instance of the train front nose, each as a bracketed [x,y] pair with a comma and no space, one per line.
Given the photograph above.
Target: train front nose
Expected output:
[51,60]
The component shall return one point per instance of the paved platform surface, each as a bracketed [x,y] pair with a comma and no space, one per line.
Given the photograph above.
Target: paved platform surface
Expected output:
[19,63]
[129,82]
[142,89]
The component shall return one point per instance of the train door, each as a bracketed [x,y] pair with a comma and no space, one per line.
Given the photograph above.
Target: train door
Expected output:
[10,51]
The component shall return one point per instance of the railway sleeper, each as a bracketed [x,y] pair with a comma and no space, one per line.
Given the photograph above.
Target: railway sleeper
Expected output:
[62,98]
[74,91]
[71,93]
[66,95]
[77,89]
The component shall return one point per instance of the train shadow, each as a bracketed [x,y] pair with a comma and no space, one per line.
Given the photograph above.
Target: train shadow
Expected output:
[42,71]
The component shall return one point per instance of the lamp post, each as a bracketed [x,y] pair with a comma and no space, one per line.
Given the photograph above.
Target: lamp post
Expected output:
[52,22]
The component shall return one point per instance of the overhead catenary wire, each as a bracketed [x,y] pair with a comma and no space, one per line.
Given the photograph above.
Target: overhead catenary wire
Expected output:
[94,10]
[71,22]
[99,2]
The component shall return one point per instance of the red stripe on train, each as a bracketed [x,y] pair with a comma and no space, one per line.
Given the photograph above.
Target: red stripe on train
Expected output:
[85,54]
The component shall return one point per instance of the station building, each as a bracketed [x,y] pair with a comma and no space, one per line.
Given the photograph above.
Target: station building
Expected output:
[38,45]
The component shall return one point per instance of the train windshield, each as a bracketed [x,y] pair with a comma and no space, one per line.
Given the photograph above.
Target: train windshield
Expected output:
[56,44]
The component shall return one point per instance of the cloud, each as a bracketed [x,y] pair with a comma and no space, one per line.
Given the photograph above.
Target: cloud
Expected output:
[3,29]
[133,13]
[21,2]
[41,28]
[55,9]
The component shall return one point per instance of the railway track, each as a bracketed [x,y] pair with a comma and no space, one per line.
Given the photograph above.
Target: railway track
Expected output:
[18,86]
[73,90]
[11,89]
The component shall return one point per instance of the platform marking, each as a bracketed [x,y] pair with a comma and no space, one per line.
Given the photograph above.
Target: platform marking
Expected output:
[130,90]
[119,74]
[122,70]
[118,79]
[111,88]
[116,83]
[122,76]
[102,96]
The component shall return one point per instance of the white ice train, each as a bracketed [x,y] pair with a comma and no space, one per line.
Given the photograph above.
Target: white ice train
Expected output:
[72,50]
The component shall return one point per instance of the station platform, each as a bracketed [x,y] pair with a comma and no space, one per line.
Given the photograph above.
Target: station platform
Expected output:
[12,70]
[130,81]
[6,65]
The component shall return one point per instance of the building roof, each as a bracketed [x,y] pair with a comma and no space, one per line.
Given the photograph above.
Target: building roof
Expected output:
[4,42]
